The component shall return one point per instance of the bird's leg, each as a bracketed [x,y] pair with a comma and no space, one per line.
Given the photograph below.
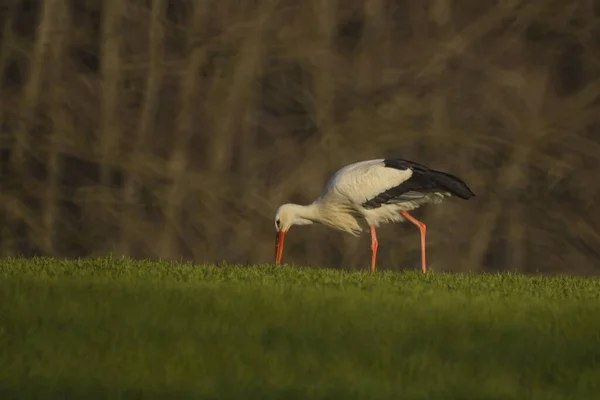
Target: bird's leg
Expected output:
[374,245]
[422,228]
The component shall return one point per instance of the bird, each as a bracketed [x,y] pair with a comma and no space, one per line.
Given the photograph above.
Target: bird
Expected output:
[377,191]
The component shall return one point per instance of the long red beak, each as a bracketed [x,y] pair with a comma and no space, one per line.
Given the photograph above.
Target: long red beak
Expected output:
[279,246]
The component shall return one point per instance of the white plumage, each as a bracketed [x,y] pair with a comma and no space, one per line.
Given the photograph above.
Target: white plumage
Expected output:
[378,191]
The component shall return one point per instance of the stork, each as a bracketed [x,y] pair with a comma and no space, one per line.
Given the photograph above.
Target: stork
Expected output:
[377,191]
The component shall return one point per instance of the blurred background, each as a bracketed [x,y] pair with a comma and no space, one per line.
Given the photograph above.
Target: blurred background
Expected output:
[174,129]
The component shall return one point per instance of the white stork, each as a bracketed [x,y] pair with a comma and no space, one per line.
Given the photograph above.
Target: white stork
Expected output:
[379,191]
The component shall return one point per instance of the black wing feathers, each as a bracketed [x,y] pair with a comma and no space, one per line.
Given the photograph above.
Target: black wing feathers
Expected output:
[422,181]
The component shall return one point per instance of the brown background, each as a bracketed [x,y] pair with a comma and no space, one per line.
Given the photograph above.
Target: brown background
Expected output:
[175,128]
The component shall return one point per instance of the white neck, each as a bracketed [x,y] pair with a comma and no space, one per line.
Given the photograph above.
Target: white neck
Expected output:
[334,216]
[310,212]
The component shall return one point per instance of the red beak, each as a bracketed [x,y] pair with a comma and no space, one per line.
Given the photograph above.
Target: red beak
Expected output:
[279,246]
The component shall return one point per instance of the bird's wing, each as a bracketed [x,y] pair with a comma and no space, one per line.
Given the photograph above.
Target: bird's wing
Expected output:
[421,182]
[362,182]
[373,183]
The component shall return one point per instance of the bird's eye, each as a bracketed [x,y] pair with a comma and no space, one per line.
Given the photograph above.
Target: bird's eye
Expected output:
[277,223]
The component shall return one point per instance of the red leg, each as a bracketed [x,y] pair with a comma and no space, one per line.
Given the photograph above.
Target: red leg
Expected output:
[422,228]
[374,245]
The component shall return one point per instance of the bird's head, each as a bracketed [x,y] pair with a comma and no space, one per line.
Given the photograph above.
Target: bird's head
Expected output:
[286,216]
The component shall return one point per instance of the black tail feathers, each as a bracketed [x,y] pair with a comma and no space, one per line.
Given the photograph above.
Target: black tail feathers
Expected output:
[452,184]
[431,179]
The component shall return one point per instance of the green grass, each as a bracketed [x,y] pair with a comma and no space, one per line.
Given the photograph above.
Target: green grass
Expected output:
[125,329]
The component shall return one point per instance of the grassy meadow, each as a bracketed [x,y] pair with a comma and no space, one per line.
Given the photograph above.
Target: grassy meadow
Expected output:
[113,327]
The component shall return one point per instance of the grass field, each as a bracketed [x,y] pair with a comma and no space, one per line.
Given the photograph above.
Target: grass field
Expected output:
[122,328]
